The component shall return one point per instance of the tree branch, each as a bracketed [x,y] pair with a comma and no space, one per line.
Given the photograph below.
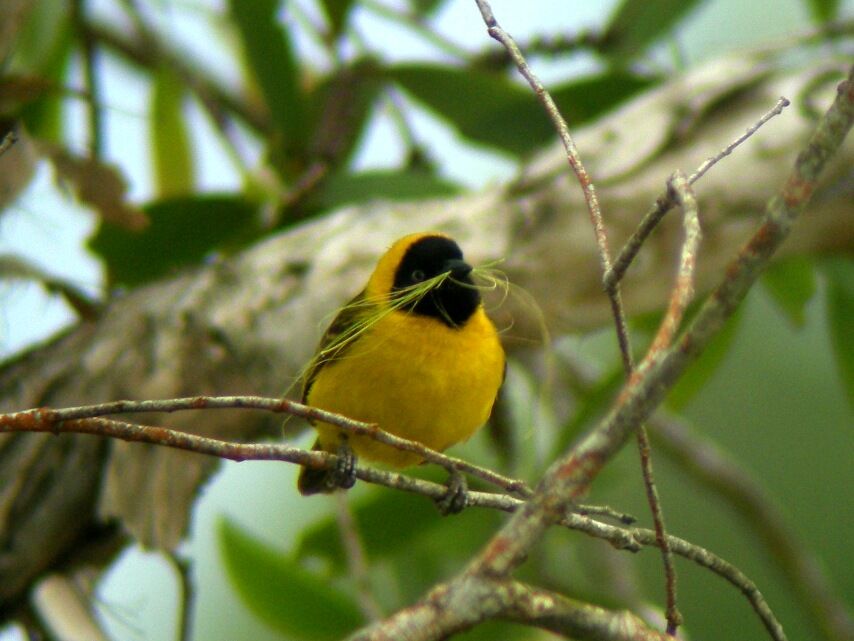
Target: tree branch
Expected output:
[664,203]
[83,420]
[463,603]
[568,478]
[56,420]
[683,290]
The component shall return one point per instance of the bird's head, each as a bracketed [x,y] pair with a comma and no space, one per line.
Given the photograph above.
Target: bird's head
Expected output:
[428,273]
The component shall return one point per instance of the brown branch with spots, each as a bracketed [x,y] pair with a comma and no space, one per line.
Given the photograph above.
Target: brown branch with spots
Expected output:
[89,420]
[70,420]
[674,618]
[570,476]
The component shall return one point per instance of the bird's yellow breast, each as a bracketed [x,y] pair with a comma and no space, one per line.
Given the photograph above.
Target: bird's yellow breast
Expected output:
[415,377]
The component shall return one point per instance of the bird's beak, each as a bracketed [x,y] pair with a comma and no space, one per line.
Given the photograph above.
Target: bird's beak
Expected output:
[458,268]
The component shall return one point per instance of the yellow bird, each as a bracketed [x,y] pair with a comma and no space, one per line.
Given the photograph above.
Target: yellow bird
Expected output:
[415,353]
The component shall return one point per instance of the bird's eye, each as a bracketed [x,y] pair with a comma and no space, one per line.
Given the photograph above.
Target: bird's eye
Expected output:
[418,275]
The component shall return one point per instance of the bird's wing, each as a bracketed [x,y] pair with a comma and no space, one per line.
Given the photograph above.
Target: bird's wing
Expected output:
[344,322]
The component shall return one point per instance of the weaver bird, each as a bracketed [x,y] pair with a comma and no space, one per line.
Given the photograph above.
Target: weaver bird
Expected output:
[415,353]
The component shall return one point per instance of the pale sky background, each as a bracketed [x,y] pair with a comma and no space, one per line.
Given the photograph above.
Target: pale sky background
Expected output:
[46,227]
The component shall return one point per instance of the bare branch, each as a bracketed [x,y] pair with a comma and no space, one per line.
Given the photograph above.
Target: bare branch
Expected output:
[464,602]
[42,420]
[728,571]
[571,618]
[672,614]
[357,563]
[680,297]
[568,478]
[9,139]
[664,203]
[495,31]
[674,618]
[683,290]
[46,419]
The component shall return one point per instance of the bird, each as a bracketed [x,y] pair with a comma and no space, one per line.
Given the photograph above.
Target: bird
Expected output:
[414,353]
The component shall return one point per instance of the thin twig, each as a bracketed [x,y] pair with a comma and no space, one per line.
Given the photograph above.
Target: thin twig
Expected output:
[671,612]
[8,141]
[92,80]
[495,31]
[776,110]
[574,158]
[351,540]
[603,511]
[633,539]
[681,295]
[726,570]
[188,596]
[571,475]
[543,45]
[665,202]
[683,290]
[674,618]
[44,420]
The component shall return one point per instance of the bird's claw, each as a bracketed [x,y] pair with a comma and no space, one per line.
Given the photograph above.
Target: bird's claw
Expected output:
[455,498]
[343,475]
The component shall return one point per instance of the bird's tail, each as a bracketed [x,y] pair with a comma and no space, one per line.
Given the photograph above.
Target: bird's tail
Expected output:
[313,481]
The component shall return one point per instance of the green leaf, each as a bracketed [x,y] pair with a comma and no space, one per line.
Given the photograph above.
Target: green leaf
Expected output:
[823,10]
[590,406]
[271,59]
[181,231]
[636,24]
[424,8]
[394,184]
[587,98]
[47,25]
[791,284]
[403,527]
[839,273]
[388,523]
[170,141]
[340,107]
[701,370]
[43,49]
[281,592]
[488,108]
[337,11]
[485,107]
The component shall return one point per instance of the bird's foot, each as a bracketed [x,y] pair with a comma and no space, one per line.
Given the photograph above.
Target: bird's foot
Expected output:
[455,498]
[343,475]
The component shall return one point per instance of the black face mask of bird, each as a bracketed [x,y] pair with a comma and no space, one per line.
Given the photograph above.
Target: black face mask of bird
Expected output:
[455,298]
